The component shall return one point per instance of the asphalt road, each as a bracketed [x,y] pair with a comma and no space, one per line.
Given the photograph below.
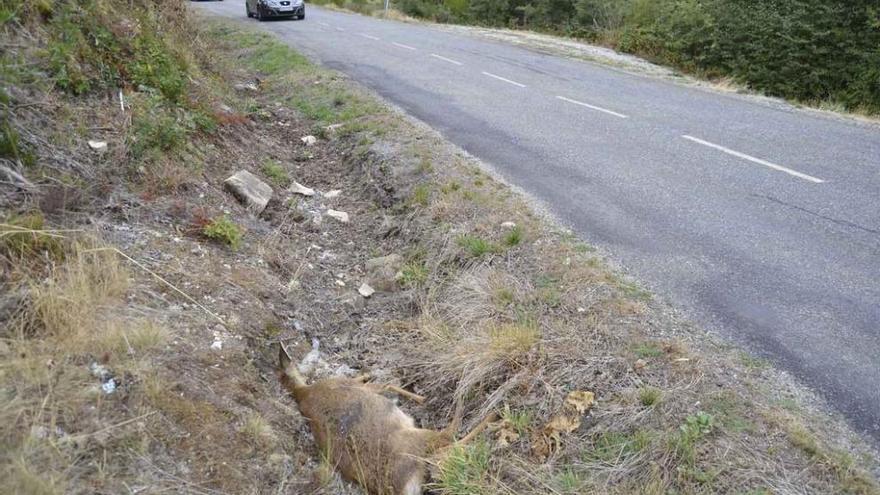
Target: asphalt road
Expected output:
[761,221]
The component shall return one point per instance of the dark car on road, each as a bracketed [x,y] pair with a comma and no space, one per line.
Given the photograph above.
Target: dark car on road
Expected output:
[268,9]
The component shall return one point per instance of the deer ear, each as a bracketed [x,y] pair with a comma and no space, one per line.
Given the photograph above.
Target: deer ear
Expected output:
[283,357]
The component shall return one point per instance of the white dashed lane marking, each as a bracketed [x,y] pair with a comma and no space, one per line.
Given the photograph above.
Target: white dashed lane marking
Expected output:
[508,81]
[440,57]
[593,107]
[759,161]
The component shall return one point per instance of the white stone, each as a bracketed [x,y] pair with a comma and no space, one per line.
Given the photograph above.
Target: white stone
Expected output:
[332,194]
[339,215]
[508,225]
[246,87]
[249,190]
[98,145]
[309,140]
[365,290]
[297,188]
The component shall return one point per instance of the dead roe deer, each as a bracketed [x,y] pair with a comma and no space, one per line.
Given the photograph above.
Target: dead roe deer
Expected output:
[364,434]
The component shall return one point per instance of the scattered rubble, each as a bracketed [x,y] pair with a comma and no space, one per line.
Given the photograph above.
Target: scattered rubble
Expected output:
[249,190]
[366,290]
[384,272]
[246,87]
[98,145]
[339,215]
[101,372]
[297,188]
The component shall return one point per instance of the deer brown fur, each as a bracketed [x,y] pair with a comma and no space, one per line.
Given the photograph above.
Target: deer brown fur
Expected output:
[364,434]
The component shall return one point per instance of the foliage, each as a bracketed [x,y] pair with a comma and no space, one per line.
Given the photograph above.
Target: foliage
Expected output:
[465,469]
[224,230]
[477,247]
[86,53]
[275,172]
[807,50]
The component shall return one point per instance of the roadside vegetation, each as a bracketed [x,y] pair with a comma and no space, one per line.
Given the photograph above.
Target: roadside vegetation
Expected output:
[140,301]
[822,53]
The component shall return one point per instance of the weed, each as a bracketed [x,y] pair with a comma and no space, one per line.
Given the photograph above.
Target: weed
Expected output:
[258,430]
[421,195]
[513,339]
[647,350]
[569,481]
[224,230]
[414,273]
[550,297]
[801,438]
[465,470]
[632,289]
[503,297]
[64,306]
[11,146]
[275,172]
[477,247]
[728,411]
[520,420]
[25,237]
[156,128]
[582,248]
[425,166]
[273,329]
[650,396]
[514,237]
[615,447]
[752,362]
[694,428]
[450,187]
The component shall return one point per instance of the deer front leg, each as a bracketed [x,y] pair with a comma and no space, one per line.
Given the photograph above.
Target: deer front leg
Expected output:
[382,387]
[477,429]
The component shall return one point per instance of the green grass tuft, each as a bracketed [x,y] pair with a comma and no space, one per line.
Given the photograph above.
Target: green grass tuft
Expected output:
[224,230]
[647,350]
[275,173]
[465,470]
[421,195]
[650,396]
[514,237]
[477,247]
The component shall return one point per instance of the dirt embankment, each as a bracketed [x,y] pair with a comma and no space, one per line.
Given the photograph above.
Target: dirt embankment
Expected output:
[142,299]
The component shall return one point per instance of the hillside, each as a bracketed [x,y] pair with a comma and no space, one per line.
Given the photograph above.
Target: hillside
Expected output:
[142,301]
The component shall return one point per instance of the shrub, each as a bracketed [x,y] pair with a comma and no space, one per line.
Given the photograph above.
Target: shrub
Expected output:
[477,247]
[275,173]
[514,237]
[224,230]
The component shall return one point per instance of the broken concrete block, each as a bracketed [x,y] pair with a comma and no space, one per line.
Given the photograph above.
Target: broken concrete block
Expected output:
[249,190]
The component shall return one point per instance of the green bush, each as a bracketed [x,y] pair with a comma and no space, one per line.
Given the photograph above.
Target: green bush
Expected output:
[82,54]
[224,230]
[807,50]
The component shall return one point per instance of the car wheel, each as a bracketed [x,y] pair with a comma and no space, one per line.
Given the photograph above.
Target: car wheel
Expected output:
[248,11]
[302,16]
[259,15]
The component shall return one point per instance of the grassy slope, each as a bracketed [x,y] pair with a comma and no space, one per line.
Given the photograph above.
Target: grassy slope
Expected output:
[511,320]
